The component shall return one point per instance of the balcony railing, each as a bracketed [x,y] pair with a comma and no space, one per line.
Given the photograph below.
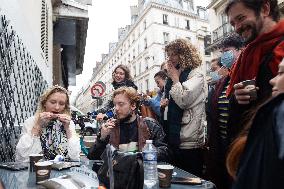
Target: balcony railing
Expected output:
[222,31]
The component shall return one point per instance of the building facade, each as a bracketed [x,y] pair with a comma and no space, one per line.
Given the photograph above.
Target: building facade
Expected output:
[140,46]
[219,24]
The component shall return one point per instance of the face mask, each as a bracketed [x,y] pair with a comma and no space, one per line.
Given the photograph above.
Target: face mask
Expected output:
[215,76]
[227,59]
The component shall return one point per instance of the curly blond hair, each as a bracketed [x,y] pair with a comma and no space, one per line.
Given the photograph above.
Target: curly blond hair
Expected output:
[44,97]
[188,54]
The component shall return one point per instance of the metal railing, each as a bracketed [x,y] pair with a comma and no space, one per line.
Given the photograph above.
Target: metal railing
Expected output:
[222,31]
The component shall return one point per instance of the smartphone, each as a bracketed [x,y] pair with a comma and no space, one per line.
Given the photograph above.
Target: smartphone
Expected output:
[186,180]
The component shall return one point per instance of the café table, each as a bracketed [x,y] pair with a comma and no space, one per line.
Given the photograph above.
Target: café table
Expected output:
[24,179]
[177,172]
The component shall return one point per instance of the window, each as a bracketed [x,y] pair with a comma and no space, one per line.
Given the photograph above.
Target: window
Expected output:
[140,70]
[133,53]
[147,84]
[165,19]
[134,71]
[176,22]
[187,24]
[202,13]
[189,39]
[204,28]
[138,49]
[166,37]
[145,43]
[138,31]
[145,24]
[141,87]
[189,5]
[133,37]
[224,18]
[146,63]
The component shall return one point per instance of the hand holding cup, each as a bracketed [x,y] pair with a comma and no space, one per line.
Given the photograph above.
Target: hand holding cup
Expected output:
[107,127]
[245,91]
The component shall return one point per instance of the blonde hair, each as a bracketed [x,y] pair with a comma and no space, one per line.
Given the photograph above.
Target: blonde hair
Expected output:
[188,54]
[44,97]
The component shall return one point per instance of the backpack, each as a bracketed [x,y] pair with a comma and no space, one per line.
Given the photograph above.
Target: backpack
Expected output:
[127,169]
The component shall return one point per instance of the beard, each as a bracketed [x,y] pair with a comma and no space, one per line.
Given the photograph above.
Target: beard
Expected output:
[253,28]
[126,118]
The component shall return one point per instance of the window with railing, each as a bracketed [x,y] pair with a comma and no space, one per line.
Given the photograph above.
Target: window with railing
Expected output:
[222,31]
[187,24]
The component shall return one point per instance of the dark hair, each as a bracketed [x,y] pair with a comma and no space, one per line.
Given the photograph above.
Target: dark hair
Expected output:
[233,40]
[126,72]
[256,6]
[161,74]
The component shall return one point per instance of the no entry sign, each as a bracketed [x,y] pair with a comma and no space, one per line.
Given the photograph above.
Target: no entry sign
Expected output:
[98,89]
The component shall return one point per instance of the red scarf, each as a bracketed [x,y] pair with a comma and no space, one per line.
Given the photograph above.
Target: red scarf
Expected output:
[248,63]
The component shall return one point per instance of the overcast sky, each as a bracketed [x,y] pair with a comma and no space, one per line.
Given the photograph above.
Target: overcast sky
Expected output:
[105,17]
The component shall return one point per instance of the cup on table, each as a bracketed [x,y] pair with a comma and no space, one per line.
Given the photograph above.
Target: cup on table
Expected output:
[165,175]
[251,86]
[43,169]
[33,159]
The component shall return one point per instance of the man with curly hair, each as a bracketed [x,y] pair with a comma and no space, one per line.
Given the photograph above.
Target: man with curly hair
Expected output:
[186,92]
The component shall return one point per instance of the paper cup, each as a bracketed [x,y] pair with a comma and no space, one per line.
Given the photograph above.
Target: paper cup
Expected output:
[33,159]
[251,86]
[43,170]
[165,175]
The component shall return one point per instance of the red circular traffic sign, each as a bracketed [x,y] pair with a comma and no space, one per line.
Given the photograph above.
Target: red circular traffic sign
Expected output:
[98,89]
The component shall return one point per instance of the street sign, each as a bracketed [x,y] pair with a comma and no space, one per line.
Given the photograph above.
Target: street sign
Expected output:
[98,89]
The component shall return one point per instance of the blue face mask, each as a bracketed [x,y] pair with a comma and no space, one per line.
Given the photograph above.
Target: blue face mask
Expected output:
[227,59]
[214,76]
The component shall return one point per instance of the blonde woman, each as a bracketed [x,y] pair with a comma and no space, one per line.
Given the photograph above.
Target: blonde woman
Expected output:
[186,92]
[50,131]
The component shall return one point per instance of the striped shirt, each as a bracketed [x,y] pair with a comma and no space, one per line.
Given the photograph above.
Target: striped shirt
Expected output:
[223,113]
